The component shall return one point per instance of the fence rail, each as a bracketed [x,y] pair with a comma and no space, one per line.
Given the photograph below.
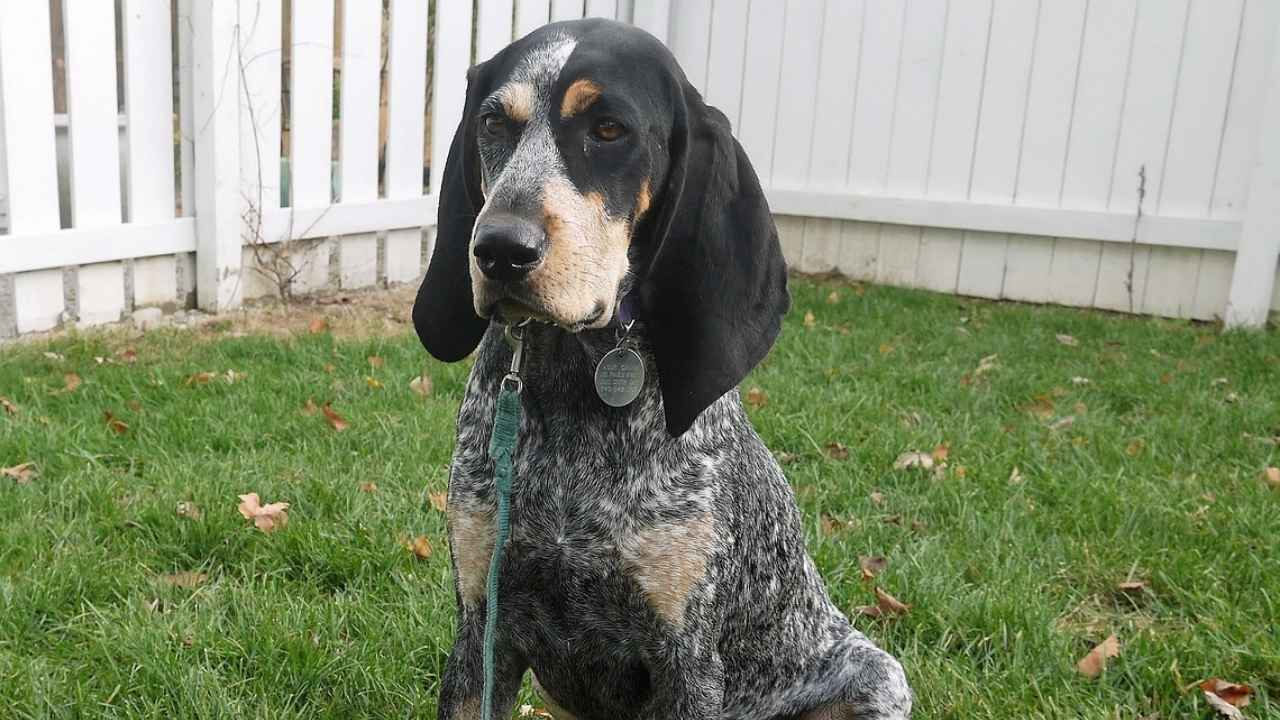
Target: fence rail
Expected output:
[1106,153]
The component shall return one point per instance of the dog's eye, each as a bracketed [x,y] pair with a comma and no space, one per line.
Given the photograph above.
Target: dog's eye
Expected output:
[493,123]
[608,130]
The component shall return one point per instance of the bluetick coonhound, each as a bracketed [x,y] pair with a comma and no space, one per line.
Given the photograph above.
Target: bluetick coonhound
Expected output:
[657,566]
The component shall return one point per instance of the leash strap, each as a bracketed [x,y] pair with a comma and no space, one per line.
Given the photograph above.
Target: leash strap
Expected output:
[502,444]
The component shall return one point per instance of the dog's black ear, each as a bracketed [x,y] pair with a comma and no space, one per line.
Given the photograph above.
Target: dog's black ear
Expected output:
[714,293]
[444,313]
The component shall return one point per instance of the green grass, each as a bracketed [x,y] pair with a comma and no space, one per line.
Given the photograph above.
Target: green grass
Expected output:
[1010,584]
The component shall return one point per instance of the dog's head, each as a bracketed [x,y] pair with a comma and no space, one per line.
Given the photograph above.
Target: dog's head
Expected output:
[587,171]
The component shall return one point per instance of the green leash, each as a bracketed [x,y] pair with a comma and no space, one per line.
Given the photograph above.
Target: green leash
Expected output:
[502,445]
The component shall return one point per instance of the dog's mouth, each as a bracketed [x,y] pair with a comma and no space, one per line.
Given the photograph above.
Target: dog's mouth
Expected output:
[513,310]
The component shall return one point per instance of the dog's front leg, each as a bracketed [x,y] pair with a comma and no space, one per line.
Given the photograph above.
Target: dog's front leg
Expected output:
[462,686]
[688,679]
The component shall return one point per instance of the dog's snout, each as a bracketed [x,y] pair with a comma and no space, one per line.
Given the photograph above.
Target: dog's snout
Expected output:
[509,250]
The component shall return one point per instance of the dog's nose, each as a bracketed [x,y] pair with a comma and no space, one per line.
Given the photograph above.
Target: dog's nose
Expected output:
[508,250]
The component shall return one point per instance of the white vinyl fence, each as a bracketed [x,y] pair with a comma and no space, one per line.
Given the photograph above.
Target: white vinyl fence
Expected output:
[1105,153]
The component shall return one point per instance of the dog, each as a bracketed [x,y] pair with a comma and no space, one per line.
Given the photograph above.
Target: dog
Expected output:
[656,567]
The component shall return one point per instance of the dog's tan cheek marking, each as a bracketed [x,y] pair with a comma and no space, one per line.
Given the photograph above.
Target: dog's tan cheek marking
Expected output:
[643,199]
[586,255]
[471,539]
[581,93]
[668,562]
[518,100]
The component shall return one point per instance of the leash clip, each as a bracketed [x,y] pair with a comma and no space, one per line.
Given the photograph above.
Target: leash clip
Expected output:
[515,337]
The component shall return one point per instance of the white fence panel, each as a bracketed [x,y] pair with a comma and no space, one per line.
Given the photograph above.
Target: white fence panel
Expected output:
[358,142]
[406,101]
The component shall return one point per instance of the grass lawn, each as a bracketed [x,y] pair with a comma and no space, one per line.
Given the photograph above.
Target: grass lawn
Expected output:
[1139,447]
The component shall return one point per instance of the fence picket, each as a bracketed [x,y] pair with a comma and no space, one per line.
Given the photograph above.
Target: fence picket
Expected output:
[566,10]
[531,15]
[148,104]
[690,38]
[94,136]
[493,27]
[760,96]
[406,101]
[358,138]
[602,8]
[726,59]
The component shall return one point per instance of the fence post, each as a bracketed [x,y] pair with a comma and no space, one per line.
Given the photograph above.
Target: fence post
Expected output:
[220,205]
[1249,302]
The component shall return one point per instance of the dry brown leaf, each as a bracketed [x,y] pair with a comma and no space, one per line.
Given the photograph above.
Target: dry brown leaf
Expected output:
[335,420]
[329,368]
[1135,447]
[8,405]
[128,355]
[872,565]
[894,519]
[833,298]
[913,460]
[1041,406]
[886,348]
[877,498]
[369,487]
[1092,664]
[421,385]
[233,376]
[757,398]
[831,524]
[420,547]
[318,325]
[185,579]
[886,606]
[1132,586]
[376,362]
[1078,380]
[837,451]
[439,501]
[200,378]
[188,510]
[373,382]
[1235,695]
[70,381]
[1224,708]
[1067,340]
[21,474]
[56,357]
[941,452]
[810,321]
[117,425]
[1062,423]
[1218,381]
[1272,476]
[1015,477]
[986,365]
[310,408]
[918,525]
[266,518]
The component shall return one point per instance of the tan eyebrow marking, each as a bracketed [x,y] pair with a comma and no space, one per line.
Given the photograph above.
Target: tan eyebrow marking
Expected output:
[579,97]
[517,100]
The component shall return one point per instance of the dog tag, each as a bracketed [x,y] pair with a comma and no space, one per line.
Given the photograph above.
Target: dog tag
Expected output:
[620,377]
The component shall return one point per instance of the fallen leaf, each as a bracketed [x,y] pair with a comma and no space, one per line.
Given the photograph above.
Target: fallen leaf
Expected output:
[1224,708]
[318,325]
[1218,381]
[200,378]
[1231,397]
[56,357]
[1015,477]
[70,381]
[757,398]
[1078,380]
[1062,423]
[918,525]
[837,451]
[376,362]
[128,355]
[439,501]
[266,518]
[185,579]
[941,452]
[335,420]
[1166,378]
[886,605]
[369,487]
[117,425]
[310,408]
[913,460]
[1235,695]
[21,474]
[1067,340]
[1272,476]
[1135,447]
[421,385]
[810,321]
[961,471]
[785,458]
[986,365]
[1041,406]
[188,510]
[8,405]
[1132,586]
[232,377]
[877,498]
[872,565]
[1092,664]
[329,368]
[831,524]
[891,519]
[420,547]
[833,298]
[373,382]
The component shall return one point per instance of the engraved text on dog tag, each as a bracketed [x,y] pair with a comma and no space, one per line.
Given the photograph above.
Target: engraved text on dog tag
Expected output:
[620,377]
